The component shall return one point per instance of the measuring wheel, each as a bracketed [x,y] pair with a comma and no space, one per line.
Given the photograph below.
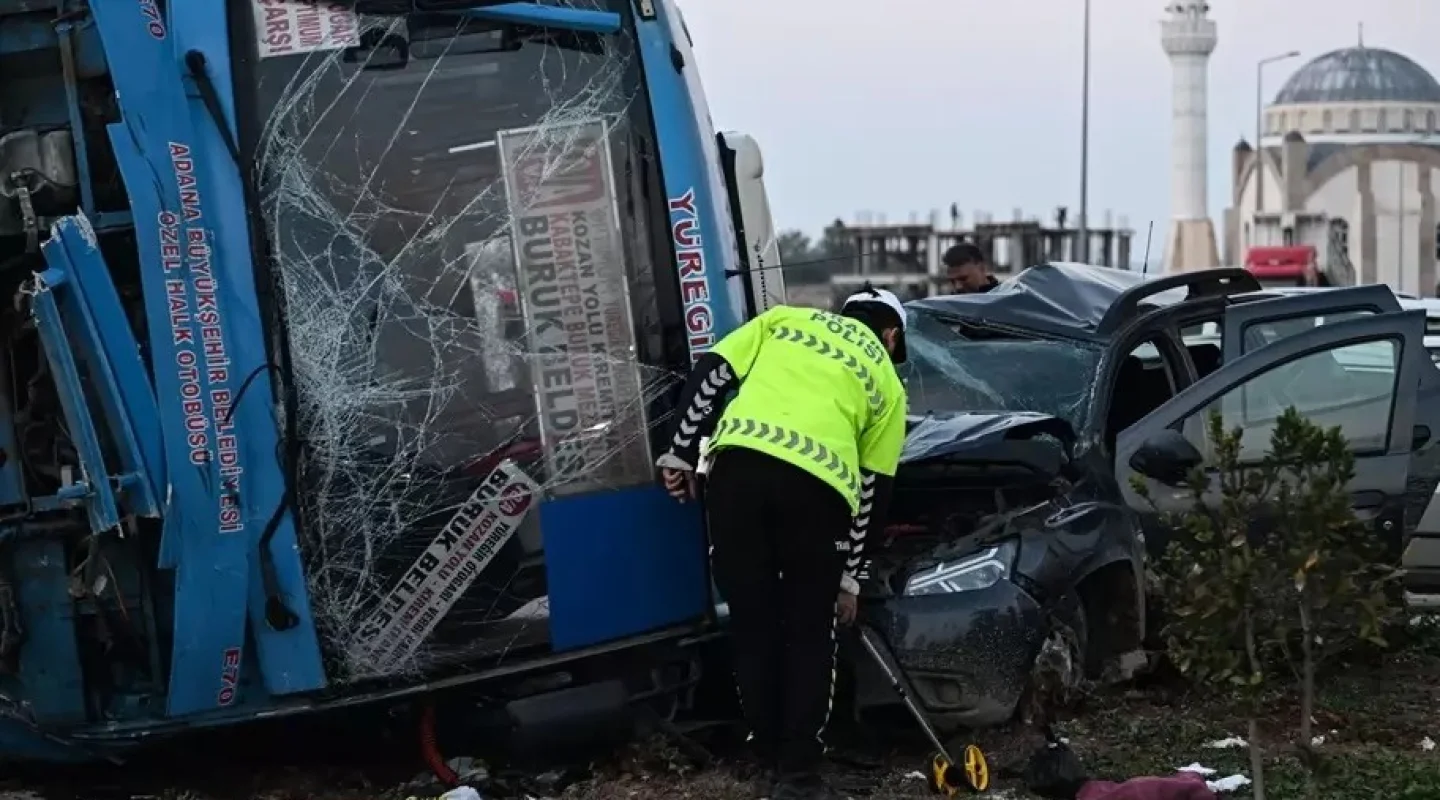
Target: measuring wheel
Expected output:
[970,776]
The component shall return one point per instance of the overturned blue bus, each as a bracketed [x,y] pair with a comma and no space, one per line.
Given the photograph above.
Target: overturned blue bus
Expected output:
[338,334]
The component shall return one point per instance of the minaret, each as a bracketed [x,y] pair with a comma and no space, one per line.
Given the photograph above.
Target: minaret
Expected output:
[1188,35]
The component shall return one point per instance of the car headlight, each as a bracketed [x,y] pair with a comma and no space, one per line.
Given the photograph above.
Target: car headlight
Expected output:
[969,574]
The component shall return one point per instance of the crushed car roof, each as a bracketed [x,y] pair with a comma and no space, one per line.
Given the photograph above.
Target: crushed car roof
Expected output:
[1081,301]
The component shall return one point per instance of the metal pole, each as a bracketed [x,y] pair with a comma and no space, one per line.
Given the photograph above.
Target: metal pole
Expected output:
[1083,243]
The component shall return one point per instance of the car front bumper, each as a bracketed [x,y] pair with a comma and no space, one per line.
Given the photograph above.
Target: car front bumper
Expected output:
[967,656]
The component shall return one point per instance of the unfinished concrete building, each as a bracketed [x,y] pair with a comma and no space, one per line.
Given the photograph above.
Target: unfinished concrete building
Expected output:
[906,257]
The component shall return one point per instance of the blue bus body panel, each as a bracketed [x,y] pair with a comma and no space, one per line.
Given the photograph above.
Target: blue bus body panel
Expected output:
[699,220]
[50,661]
[200,303]
[621,563]
[93,324]
[211,570]
[631,561]
[289,659]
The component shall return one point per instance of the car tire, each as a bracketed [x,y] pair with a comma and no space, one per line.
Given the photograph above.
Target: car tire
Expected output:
[1070,611]
[1053,678]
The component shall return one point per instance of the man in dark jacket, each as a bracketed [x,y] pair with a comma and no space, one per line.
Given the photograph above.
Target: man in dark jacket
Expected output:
[967,271]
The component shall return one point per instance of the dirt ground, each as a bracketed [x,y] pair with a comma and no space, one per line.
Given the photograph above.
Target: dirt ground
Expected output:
[1380,722]
[1379,725]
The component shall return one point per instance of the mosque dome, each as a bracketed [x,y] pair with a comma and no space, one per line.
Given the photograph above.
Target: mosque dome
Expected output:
[1360,75]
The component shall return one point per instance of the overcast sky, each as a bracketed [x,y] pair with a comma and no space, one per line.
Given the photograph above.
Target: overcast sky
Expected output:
[900,106]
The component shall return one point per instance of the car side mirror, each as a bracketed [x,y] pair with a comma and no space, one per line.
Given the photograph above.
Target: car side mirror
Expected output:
[1167,457]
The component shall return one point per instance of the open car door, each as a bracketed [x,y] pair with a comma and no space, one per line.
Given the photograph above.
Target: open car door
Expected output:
[1250,326]
[1362,374]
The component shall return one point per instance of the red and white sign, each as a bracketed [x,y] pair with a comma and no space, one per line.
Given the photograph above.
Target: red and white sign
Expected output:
[293,27]
[445,571]
[570,258]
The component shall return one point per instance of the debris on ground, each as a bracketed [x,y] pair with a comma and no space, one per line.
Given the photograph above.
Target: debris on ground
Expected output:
[467,770]
[1376,717]
[1228,784]
[1198,769]
[1387,748]
[1218,785]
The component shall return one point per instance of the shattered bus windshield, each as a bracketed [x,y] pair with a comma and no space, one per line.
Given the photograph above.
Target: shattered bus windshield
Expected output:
[947,372]
[457,219]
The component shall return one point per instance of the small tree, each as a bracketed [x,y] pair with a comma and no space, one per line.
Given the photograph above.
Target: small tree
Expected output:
[1282,554]
[795,247]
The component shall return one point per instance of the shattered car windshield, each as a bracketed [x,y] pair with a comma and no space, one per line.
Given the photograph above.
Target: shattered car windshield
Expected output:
[948,372]
[460,218]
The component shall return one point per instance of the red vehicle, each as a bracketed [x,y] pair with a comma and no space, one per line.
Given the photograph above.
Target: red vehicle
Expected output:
[1285,266]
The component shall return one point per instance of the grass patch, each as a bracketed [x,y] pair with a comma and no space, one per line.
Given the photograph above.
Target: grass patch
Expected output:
[1373,718]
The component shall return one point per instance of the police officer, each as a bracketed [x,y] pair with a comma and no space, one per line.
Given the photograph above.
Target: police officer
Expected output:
[800,463]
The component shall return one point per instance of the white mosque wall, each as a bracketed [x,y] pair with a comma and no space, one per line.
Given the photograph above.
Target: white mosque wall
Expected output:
[1272,198]
[1407,244]
[1338,198]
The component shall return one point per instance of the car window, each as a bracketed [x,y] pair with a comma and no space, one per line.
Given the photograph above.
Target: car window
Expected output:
[1350,386]
[1205,330]
[1267,331]
[949,372]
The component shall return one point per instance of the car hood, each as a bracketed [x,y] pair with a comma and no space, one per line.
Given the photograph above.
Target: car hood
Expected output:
[978,436]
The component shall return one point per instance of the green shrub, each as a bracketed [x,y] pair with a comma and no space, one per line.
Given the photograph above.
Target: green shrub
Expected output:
[1261,587]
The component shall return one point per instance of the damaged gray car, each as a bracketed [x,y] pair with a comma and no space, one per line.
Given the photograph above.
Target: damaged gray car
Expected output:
[1012,567]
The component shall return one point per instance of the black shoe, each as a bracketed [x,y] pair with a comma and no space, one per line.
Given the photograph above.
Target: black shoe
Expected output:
[804,786]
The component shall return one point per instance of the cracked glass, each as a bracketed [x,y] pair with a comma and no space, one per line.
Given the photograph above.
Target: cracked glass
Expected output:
[459,223]
[948,372]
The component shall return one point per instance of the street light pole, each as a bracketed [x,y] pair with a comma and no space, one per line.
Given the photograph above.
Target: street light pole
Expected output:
[1259,147]
[1083,242]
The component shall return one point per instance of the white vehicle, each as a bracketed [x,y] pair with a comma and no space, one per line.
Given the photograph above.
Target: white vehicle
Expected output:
[1423,554]
[1431,306]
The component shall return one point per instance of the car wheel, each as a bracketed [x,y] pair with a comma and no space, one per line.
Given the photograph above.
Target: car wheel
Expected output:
[1059,666]
[1070,612]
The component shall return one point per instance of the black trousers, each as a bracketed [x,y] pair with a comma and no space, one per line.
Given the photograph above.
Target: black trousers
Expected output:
[774,529]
